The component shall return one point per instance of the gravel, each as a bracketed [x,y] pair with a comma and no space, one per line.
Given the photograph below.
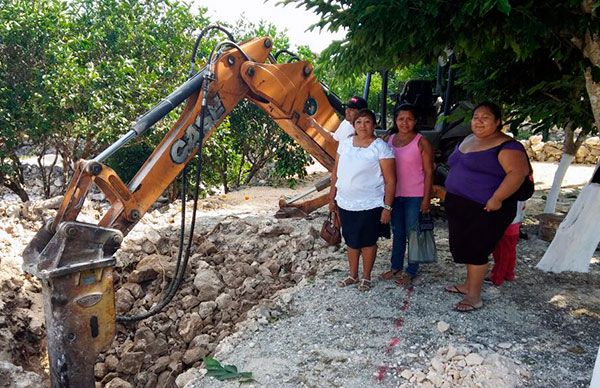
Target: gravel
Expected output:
[542,330]
[543,326]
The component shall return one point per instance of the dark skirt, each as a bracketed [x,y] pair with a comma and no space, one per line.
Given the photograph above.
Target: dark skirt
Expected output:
[474,232]
[361,229]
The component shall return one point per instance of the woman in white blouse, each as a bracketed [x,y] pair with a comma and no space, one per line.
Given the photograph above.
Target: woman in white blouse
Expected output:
[362,189]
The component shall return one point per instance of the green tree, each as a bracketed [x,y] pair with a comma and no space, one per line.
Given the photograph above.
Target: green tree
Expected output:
[74,74]
[519,53]
[27,29]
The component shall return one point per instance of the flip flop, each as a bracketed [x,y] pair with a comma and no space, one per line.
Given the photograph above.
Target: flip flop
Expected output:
[391,274]
[403,280]
[466,307]
[453,290]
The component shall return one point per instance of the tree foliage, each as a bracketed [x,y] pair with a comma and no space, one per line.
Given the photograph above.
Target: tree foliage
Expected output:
[528,55]
[27,29]
[74,74]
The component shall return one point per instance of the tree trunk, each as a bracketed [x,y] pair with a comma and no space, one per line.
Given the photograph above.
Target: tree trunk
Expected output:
[15,182]
[17,188]
[591,50]
[559,175]
[578,235]
[596,374]
[570,147]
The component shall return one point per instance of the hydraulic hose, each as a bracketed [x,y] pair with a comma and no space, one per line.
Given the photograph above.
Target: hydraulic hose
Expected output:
[182,263]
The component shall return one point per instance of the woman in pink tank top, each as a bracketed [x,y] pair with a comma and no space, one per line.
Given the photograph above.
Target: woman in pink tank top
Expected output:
[414,180]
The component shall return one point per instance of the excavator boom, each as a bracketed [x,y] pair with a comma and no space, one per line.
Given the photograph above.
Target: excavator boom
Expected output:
[74,259]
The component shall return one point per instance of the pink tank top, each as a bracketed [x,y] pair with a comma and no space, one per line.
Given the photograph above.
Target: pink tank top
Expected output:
[410,178]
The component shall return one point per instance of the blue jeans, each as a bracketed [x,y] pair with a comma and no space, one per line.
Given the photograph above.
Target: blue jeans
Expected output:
[405,217]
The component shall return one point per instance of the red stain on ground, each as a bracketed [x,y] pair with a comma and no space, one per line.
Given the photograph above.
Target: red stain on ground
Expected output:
[398,323]
[380,374]
[393,342]
[404,306]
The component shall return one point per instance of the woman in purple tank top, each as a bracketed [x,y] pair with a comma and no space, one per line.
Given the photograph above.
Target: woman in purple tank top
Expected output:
[485,170]
[414,178]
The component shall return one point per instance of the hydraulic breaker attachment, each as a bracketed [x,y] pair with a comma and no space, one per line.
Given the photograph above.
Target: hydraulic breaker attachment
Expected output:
[79,300]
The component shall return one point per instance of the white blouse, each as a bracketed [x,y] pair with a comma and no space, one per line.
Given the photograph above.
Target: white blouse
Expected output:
[359,178]
[345,130]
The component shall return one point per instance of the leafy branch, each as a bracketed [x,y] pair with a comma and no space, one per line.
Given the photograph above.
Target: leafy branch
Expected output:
[225,372]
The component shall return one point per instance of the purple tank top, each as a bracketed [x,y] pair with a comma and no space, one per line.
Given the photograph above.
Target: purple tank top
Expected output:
[476,175]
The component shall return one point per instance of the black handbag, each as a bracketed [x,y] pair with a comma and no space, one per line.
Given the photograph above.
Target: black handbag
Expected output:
[330,231]
[527,188]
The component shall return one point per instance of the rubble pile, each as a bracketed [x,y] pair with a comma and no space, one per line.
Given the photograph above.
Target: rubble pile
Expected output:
[15,376]
[249,298]
[234,265]
[463,366]
[551,151]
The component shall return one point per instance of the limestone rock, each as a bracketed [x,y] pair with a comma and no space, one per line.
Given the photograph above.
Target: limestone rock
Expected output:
[143,337]
[206,309]
[276,230]
[145,379]
[208,284]
[15,377]
[207,248]
[111,362]
[473,359]
[160,364]
[153,235]
[442,326]
[189,327]
[130,363]
[100,370]
[118,383]
[123,301]
[134,289]
[166,379]
[189,301]
[192,355]
[406,374]
[151,266]
[223,301]
[189,375]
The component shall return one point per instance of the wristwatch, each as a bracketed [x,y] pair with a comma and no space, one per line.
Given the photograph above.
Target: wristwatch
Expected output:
[387,207]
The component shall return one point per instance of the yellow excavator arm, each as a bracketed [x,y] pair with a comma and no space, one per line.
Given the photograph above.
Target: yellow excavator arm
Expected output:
[74,259]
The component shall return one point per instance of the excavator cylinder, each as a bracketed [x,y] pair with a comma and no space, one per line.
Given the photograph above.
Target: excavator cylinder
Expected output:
[319,186]
[79,300]
[169,103]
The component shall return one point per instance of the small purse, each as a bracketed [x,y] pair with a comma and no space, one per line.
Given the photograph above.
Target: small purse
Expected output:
[330,231]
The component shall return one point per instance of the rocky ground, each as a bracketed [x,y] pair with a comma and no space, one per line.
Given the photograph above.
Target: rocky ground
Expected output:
[260,294]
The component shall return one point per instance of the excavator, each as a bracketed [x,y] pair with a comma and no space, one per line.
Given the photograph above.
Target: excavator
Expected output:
[74,260]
